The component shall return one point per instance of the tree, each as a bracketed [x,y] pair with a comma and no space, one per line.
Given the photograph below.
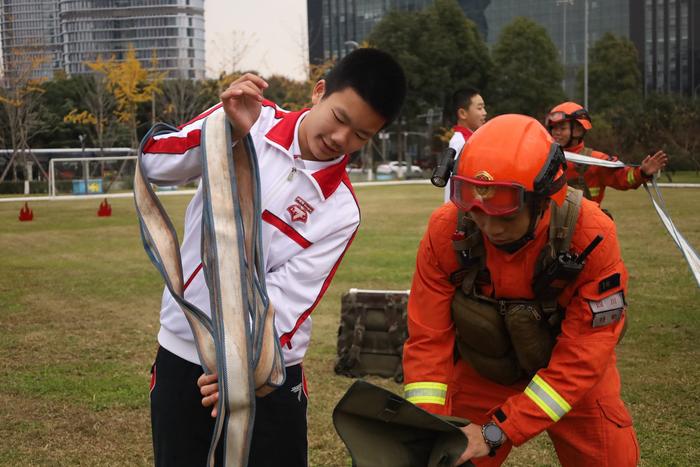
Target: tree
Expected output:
[20,99]
[614,76]
[131,84]
[670,121]
[95,111]
[61,94]
[287,93]
[183,99]
[439,49]
[528,73]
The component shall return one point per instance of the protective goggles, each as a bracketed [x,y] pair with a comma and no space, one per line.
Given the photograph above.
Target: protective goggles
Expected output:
[506,198]
[556,117]
[494,198]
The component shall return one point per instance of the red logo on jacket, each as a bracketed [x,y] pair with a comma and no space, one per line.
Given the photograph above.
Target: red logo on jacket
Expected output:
[300,210]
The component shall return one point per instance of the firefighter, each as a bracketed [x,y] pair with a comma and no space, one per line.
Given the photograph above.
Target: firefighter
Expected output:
[568,123]
[517,305]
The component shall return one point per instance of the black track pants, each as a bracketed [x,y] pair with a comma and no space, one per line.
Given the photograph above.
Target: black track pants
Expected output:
[182,428]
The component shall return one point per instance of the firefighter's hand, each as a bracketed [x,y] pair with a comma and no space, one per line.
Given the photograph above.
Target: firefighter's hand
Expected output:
[242,102]
[652,164]
[209,388]
[476,446]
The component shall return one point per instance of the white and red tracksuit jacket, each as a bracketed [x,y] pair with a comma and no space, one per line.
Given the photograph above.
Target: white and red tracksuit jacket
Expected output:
[459,139]
[309,218]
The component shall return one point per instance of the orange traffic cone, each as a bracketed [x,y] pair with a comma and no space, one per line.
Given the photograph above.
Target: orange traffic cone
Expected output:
[105,209]
[26,214]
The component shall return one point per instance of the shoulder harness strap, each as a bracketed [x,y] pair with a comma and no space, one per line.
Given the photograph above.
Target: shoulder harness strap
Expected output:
[561,231]
[471,254]
[581,169]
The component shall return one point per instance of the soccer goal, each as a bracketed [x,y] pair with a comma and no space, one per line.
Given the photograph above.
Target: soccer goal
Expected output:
[91,175]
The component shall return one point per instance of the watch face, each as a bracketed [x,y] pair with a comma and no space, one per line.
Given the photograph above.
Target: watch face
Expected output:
[492,433]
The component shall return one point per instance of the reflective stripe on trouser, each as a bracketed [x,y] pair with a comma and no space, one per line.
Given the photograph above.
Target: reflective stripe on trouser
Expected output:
[426,393]
[597,431]
[630,177]
[547,398]
[594,191]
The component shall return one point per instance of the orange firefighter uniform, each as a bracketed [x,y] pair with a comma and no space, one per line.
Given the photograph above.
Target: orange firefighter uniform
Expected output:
[593,179]
[576,397]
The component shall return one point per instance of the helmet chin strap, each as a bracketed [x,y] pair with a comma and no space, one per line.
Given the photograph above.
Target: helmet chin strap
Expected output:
[535,206]
[573,141]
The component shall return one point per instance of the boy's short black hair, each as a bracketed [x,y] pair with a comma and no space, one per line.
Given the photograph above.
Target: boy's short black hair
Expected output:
[462,99]
[375,76]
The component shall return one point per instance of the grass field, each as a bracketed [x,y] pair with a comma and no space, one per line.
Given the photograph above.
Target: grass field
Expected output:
[79,307]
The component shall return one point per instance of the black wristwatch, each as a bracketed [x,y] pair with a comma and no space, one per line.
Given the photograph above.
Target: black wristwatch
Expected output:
[493,436]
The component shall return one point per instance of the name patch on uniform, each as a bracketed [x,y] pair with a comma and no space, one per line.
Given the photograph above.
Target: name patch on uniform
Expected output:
[607,310]
[609,282]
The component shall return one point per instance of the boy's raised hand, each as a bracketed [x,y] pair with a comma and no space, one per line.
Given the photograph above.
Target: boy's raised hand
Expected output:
[242,102]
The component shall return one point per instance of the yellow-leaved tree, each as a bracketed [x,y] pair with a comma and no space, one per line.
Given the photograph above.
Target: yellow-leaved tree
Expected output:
[131,84]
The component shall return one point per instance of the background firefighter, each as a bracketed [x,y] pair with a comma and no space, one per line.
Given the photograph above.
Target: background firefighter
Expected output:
[471,354]
[568,123]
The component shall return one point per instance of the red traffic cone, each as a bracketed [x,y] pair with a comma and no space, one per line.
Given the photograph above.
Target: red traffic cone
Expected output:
[26,214]
[105,209]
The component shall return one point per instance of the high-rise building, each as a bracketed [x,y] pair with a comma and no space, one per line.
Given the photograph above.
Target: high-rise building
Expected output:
[30,37]
[664,31]
[668,33]
[335,24]
[167,33]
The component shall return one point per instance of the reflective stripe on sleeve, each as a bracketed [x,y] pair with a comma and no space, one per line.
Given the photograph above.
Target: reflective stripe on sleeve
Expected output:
[630,177]
[594,191]
[547,398]
[426,393]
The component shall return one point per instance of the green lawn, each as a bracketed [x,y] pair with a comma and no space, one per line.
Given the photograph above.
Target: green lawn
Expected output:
[79,304]
[682,176]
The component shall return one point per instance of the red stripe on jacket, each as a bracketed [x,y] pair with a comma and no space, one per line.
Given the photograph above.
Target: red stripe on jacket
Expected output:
[286,338]
[174,144]
[286,229]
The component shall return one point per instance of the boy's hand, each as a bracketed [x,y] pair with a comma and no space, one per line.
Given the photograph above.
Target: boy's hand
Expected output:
[242,103]
[652,164]
[209,387]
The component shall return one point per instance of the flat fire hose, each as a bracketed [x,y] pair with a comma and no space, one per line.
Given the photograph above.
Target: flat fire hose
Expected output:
[239,341]
[657,201]
[689,253]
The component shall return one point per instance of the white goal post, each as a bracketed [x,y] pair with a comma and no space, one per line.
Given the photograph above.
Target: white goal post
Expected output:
[90,175]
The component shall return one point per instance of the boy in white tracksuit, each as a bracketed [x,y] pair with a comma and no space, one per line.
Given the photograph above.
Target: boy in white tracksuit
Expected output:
[469,111]
[309,218]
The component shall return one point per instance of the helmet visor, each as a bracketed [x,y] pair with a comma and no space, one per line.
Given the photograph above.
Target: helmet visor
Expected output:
[494,198]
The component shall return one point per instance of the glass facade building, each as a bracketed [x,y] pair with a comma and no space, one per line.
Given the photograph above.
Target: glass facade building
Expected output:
[30,37]
[167,33]
[332,23]
[671,45]
[664,31]
[564,21]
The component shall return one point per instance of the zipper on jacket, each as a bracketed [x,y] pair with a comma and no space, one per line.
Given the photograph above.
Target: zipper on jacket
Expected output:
[272,193]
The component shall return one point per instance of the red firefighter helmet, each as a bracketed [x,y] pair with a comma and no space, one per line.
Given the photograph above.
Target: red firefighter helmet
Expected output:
[569,111]
[507,157]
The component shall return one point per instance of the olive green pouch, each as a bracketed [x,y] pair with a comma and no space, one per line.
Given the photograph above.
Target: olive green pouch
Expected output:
[381,429]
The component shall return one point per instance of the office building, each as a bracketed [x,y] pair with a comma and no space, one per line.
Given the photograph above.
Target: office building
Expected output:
[664,31]
[167,33]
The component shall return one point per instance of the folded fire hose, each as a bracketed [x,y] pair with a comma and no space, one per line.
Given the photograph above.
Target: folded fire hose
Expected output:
[657,201]
[239,341]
